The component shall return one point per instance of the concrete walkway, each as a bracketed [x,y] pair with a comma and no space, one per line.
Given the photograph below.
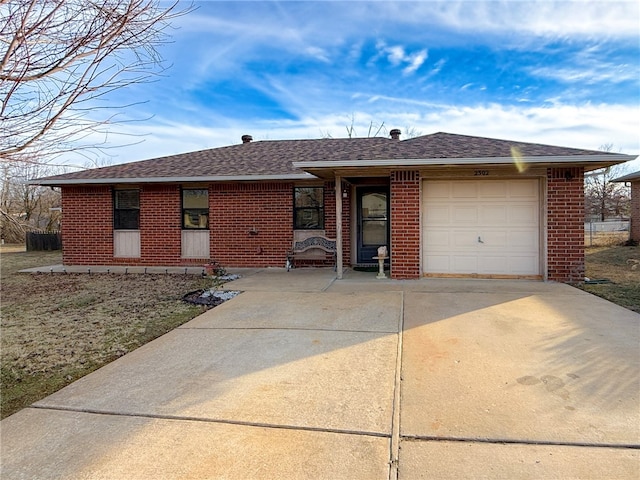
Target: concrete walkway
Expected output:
[306,376]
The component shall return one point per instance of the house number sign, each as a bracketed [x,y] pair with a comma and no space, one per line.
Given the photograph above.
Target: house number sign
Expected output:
[480,173]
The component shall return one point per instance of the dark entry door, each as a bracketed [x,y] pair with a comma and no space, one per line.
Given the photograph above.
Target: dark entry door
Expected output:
[373,221]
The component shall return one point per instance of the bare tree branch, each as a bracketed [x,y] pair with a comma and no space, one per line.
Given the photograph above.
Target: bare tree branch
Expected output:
[58,56]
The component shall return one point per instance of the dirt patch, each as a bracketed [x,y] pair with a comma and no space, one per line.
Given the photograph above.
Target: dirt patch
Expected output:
[58,327]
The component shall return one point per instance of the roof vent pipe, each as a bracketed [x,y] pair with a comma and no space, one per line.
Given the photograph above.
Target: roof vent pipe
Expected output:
[395,134]
[246,138]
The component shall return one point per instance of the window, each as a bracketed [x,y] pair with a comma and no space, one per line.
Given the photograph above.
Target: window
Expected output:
[195,209]
[126,209]
[308,208]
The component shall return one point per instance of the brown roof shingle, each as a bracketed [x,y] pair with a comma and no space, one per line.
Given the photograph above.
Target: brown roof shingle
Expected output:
[274,157]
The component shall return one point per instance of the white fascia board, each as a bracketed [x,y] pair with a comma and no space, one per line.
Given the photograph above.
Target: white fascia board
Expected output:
[216,178]
[628,178]
[418,162]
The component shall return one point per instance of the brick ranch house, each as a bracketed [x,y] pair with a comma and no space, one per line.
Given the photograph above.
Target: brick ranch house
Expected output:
[634,180]
[443,204]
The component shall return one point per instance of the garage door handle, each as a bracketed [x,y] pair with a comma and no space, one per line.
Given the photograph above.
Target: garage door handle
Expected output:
[480,240]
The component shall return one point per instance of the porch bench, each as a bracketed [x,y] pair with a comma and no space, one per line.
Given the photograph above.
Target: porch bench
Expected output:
[319,242]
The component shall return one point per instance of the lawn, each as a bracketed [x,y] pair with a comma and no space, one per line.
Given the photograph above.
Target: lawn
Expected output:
[57,328]
[621,267]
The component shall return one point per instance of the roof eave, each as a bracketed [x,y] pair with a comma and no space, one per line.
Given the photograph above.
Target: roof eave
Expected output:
[591,162]
[419,162]
[214,178]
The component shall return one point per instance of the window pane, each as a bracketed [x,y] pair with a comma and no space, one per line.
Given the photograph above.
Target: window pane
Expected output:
[195,199]
[127,199]
[308,211]
[126,219]
[309,196]
[193,218]
[309,218]
[126,209]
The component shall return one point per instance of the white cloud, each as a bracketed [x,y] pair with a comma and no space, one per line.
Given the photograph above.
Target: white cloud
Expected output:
[593,19]
[415,62]
[397,56]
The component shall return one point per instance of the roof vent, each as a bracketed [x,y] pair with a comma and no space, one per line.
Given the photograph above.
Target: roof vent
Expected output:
[246,138]
[395,134]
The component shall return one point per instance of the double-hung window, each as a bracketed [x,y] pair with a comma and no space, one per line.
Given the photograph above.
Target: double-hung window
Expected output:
[195,209]
[126,209]
[308,208]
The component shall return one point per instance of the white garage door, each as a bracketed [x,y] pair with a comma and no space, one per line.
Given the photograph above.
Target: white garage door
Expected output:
[484,227]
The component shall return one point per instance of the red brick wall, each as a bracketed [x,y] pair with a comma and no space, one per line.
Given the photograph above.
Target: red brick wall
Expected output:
[160,227]
[635,211]
[87,225]
[238,209]
[565,224]
[405,225]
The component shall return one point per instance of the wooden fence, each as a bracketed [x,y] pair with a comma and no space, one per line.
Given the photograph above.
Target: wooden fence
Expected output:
[44,241]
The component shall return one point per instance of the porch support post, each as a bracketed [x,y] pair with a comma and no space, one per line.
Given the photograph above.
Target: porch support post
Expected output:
[338,190]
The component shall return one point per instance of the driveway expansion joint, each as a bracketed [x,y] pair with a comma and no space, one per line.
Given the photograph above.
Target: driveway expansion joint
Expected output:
[241,423]
[390,332]
[504,441]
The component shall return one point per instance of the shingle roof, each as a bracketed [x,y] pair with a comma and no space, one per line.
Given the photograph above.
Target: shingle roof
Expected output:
[632,177]
[273,158]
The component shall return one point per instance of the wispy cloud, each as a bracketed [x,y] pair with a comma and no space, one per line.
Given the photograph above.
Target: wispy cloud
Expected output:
[398,56]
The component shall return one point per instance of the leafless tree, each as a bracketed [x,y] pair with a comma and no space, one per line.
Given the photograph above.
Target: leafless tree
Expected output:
[58,61]
[25,207]
[604,198]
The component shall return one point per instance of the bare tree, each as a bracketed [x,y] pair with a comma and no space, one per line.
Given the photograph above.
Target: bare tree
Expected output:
[604,198]
[59,58]
[25,207]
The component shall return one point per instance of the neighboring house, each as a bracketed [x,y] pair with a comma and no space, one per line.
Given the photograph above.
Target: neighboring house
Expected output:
[443,204]
[634,180]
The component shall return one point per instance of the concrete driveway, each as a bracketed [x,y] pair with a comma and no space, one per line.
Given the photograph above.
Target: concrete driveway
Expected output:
[305,376]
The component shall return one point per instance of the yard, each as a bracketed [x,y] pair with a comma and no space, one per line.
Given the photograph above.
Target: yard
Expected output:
[615,272]
[59,327]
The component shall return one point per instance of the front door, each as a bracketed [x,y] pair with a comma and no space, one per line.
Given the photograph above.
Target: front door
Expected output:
[373,221]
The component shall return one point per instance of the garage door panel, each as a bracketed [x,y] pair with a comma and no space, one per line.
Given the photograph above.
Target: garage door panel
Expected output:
[524,189]
[438,238]
[465,214]
[486,227]
[464,189]
[490,214]
[441,190]
[464,264]
[493,264]
[493,189]
[438,215]
[464,240]
[437,263]
[523,214]
[493,239]
[523,265]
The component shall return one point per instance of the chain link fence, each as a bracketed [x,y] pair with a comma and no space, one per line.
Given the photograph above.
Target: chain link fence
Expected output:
[610,232]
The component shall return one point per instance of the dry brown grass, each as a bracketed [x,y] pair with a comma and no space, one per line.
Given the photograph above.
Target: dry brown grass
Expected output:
[58,327]
[605,239]
[621,266]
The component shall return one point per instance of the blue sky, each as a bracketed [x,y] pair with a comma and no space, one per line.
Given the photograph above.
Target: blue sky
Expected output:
[562,73]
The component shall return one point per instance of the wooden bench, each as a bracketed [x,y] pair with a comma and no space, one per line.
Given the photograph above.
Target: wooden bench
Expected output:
[319,242]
